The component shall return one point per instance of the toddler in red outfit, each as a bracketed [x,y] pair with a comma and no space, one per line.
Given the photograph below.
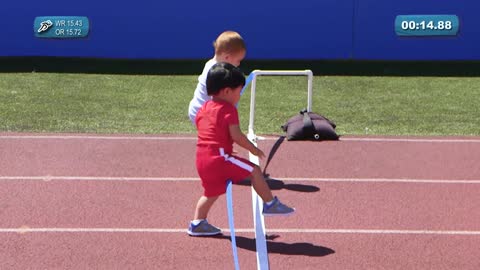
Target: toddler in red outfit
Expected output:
[218,128]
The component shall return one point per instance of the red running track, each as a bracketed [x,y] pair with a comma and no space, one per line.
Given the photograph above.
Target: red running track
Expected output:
[124,203]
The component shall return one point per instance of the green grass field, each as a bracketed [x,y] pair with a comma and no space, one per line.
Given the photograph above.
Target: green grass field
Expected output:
[136,104]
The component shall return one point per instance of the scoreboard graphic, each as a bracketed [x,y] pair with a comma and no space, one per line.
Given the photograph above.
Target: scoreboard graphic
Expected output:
[426,25]
[61,27]
[400,30]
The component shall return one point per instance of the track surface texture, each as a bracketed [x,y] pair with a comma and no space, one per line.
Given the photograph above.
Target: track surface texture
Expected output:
[70,201]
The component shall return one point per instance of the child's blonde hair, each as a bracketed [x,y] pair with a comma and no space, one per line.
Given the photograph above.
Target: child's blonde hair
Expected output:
[229,42]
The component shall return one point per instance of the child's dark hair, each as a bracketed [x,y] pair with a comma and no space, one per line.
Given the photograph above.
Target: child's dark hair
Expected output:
[223,75]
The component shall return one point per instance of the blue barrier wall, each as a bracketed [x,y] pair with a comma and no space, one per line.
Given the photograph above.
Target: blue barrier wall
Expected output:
[305,29]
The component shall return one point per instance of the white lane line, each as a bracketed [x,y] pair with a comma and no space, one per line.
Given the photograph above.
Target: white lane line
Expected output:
[79,137]
[284,179]
[439,140]
[361,231]
[26,229]
[380,180]
[95,178]
[266,138]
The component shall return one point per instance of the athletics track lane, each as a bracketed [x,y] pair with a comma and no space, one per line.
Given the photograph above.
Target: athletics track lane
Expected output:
[128,204]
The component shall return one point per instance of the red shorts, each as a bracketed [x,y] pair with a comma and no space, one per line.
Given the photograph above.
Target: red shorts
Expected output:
[215,168]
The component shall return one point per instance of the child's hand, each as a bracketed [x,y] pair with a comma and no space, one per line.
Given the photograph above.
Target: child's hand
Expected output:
[259,153]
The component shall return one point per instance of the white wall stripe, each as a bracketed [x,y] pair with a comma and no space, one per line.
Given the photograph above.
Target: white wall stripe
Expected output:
[26,229]
[284,179]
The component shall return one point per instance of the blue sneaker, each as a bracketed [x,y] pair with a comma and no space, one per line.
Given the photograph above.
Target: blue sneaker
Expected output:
[203,229]
[277,208]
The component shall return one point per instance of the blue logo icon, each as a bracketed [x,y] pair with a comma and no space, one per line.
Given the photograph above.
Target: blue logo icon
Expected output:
[44,26]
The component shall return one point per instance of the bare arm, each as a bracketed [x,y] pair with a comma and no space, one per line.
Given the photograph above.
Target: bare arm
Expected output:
[239,138]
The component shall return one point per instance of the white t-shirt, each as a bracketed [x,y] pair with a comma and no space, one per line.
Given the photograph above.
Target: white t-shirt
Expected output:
[200,95]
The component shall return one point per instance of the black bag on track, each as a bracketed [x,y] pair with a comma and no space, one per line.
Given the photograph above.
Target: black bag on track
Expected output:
[310,126]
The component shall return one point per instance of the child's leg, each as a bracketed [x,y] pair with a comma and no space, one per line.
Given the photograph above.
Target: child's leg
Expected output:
[272,206]
[203,207]
[199,226]
[260,185]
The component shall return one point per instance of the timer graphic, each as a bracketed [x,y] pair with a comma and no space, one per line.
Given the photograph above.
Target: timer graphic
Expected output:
[426,25]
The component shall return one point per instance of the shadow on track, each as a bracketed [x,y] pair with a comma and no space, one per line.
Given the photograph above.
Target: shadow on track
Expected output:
[302,249]
[276,184]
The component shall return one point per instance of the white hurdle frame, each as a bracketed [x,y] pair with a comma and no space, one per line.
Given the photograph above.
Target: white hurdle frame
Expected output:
[257,202]
[258,72]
